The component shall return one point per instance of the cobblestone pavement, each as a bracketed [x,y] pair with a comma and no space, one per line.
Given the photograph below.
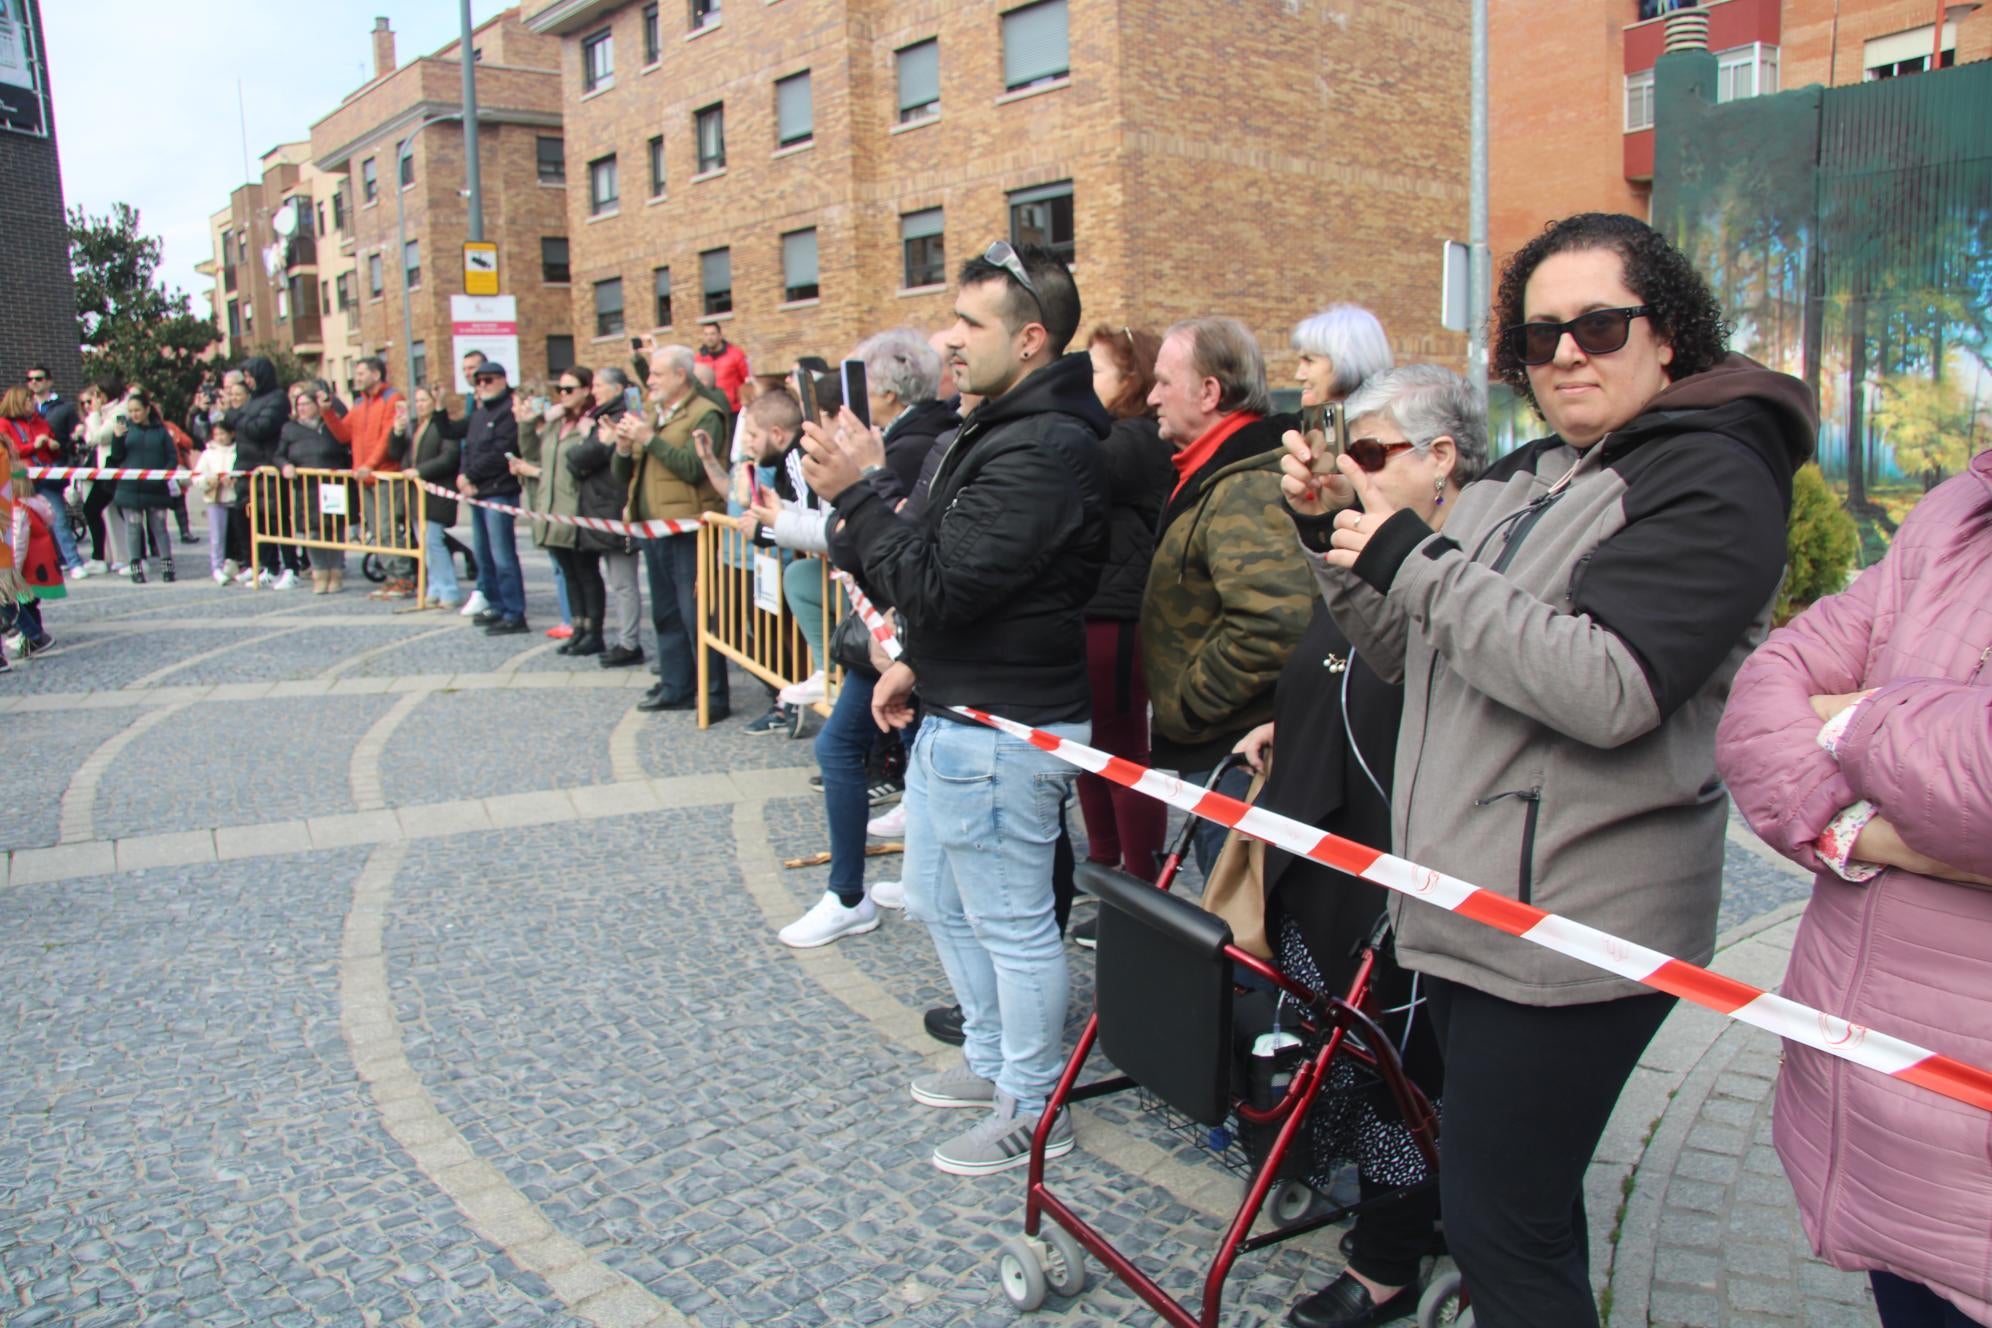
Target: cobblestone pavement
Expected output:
[362,969]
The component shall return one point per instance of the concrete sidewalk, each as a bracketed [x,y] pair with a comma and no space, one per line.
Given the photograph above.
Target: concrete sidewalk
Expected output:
[1692,1220]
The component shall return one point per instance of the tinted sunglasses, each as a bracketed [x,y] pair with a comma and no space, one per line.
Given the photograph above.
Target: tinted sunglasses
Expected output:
[1003,255]
[1599,332]
[1371,453]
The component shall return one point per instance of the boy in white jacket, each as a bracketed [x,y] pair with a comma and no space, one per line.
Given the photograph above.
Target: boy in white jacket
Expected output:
[212,474]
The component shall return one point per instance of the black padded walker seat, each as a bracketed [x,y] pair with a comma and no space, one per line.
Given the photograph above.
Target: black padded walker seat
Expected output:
[1164,988]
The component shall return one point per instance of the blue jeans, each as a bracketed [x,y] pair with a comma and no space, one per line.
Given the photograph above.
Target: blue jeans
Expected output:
[65,539]
[1207,840]
[841,748]
[982,812]
[442,568]
[673,564]
[560,589]
[496,544]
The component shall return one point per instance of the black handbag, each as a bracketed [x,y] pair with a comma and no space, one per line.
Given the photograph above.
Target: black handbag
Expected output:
[850,645]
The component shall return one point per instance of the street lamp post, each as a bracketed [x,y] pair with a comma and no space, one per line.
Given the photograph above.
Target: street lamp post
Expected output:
[401,151]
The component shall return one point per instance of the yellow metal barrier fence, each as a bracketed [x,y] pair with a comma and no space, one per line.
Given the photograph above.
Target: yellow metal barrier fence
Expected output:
[756,630]
[330,509]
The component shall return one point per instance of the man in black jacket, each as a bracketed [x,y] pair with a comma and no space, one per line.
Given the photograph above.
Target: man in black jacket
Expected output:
[992,581]
[491,437]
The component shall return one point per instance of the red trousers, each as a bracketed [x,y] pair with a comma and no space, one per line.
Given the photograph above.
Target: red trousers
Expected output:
[1123,828]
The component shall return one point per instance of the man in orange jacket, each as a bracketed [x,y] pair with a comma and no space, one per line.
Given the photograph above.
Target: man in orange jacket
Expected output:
[368,428]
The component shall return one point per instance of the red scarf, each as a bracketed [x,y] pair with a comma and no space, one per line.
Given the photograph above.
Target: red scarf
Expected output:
[1192,458]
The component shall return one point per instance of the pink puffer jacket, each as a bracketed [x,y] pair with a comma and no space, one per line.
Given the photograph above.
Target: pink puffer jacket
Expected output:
[1889,1176]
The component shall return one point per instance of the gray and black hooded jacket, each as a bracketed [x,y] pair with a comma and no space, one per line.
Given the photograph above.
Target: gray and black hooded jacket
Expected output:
[1566,647]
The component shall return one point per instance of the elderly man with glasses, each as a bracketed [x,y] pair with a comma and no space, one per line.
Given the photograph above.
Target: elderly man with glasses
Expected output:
[992,579]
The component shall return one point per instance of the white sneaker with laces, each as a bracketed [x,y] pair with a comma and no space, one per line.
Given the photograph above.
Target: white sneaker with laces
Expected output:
[475,605]
[889,894]
[221,578]
[889,824]
[284,582]
[827,921]
[79,572]
[807,692]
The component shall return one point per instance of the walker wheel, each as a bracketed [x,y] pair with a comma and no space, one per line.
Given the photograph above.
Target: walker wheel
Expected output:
[1022,1272]
[1444,1303]
[1066,1269]
[1288,1203]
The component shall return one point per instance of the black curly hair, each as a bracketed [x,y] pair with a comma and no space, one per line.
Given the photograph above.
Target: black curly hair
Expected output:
[1685,314]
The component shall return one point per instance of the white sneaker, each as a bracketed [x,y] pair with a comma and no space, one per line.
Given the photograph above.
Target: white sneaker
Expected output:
[16,644]
[889,894]
[265,580]
[221,578]
[828,921]
[807,692]
[889,824]
[97,566]
[284,582]
[80,572]
[475,605]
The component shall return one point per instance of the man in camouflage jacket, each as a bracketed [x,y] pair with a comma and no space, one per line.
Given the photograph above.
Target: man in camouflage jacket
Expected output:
[1228,593]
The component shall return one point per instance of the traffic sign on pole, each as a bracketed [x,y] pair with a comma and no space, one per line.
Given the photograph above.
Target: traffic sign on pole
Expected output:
[480,267]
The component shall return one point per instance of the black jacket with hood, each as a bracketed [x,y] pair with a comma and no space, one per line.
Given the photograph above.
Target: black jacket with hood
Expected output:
[993,578]
[491,435]
[1567,645]
[259,424]
[592,463]
[1139,476]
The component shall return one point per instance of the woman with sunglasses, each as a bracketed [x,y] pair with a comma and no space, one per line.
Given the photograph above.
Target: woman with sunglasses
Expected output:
[545,452]
[1566,647]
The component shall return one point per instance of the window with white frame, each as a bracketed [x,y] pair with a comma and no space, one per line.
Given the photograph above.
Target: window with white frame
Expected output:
[603,197]
[716,280]
[1639,101]
[1746,71]
[375,282]
[657,166]
[705,13]
[1035,49]
[411,264]
[709,124]
[923,248]
[660,279]
[653,47]
[1902,53]
[609,307]
[1044,216]
[799,266]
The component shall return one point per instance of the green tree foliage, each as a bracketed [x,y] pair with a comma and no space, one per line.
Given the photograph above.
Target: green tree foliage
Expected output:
[133,329]
[1927,422]
[1819,550]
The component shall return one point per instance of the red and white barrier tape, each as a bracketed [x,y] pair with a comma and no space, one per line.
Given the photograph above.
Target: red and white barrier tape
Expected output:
[637,529]
[1882,1052]
[114,473]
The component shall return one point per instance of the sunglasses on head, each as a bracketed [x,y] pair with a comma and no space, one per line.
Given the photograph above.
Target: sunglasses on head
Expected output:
[1599,332]
[1372,453]
[1004,255]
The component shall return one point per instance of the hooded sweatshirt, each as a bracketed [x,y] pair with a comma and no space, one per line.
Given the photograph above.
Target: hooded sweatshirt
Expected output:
[1566,647]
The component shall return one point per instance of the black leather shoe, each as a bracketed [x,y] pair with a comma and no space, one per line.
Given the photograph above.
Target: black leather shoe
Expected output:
[653,701]
[620,657]
[1346,1303]
[507,627]
[485,619]
[944,1025]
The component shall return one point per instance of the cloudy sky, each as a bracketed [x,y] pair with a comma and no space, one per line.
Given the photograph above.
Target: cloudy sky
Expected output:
[146,111]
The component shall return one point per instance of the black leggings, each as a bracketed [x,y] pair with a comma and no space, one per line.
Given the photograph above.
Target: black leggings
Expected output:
[1528,1090]
[95,503]
[1902,1303]
[586,595]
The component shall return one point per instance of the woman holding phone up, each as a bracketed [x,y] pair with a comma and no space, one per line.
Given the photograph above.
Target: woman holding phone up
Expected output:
[1566,647]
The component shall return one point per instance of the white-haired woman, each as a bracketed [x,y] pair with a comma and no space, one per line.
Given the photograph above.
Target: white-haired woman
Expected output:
[1340,348]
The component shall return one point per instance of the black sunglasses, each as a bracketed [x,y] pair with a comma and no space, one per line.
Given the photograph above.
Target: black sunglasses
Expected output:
[1372,453]
[1599,332]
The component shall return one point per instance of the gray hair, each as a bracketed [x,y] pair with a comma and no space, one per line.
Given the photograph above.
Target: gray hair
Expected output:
[1224,349]
[683,359]
[1351,339]
[1427,402]
[613,376]
[901,362]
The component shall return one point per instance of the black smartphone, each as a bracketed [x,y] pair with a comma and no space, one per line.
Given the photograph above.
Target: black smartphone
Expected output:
[805,393]
[1326,432]
[856,395]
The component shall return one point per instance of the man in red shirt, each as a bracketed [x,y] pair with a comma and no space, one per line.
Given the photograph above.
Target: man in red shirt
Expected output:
[368,428]
[729,362]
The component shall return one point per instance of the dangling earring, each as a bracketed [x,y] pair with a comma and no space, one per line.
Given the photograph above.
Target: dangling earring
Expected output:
[1438,493]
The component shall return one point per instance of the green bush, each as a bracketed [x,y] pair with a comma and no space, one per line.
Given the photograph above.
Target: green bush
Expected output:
[1819,550]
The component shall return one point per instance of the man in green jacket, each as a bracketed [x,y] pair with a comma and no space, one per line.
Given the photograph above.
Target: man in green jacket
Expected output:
[1228,592]
[656,456]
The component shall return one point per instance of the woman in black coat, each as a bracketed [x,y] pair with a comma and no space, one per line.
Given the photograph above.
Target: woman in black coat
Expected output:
[259,426]
[437,454]
[306,444]
[1124,828]
[139,441]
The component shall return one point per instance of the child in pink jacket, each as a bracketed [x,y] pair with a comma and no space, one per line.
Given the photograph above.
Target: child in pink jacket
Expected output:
[1858,742]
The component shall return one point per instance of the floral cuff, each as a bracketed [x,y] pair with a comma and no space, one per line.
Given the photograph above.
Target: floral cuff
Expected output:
[1836,842]
[1835,728]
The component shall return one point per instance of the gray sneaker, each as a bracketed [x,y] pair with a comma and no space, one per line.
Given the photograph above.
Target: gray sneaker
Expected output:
[958,1087]
[1001,1141]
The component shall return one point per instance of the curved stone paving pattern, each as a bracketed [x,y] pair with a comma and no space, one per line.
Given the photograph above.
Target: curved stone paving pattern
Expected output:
[536,1057]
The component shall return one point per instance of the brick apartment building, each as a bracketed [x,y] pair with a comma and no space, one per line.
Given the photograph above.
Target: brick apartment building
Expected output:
[812,171]
[36,287]
[376,254]
[1570,105]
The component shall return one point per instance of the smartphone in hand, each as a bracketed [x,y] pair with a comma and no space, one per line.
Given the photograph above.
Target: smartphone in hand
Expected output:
[1325,429]
[805,393]
[856,394]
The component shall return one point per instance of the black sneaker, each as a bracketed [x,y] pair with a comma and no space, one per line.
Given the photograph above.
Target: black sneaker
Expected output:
[36,649]
[486,618]
[944,1025]
[779,719]
[507,627]
[167,575]
[1085,932]
[620,657]
[816,780]
[885,791]
[138,576]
